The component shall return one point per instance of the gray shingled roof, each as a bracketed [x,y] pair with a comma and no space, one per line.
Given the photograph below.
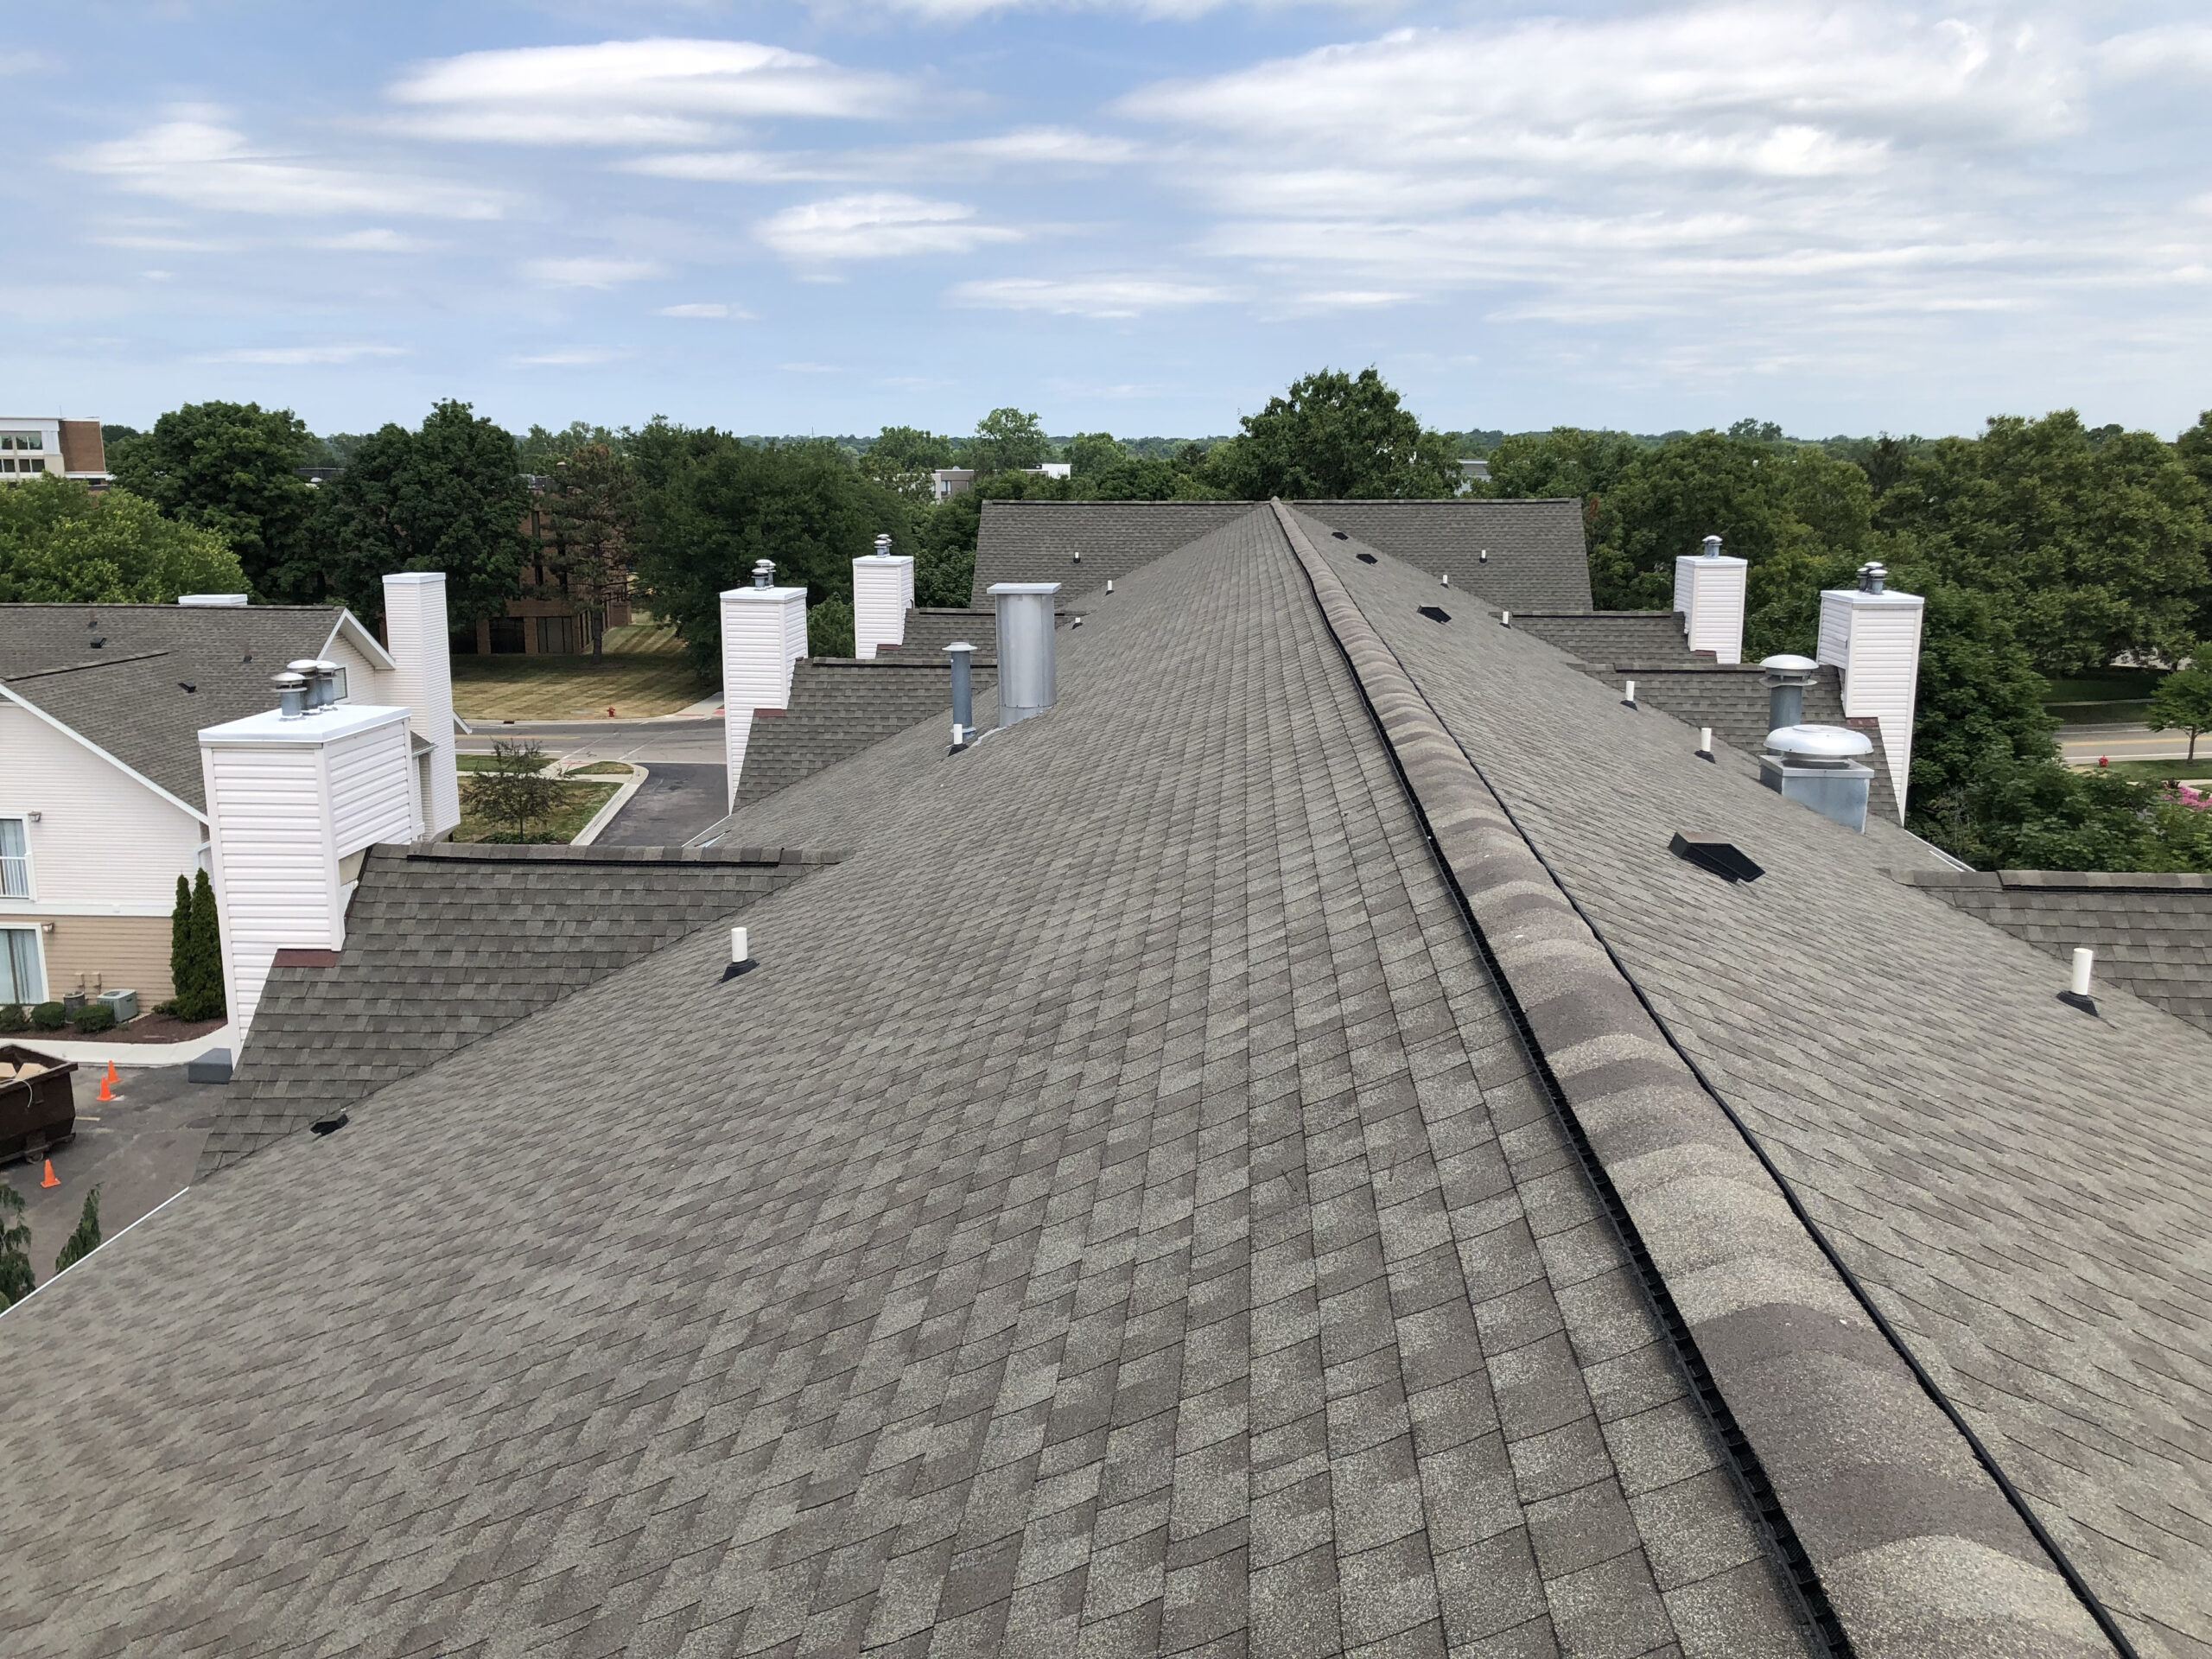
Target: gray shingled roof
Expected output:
[931,629]
[446,945]
[1247,1162]
[1115,1215]
[1538,559]
[128,696]
[1610,637]
[2024,1190]
[2152,933]
[839,706]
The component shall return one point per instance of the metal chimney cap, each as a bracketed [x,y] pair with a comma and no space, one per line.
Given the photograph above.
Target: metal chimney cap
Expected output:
[764,573]
[1871,575]
[304,665]
[1788,669]
[288,678]
[883,544]
[1819,742]
[1713,547]
[960,644]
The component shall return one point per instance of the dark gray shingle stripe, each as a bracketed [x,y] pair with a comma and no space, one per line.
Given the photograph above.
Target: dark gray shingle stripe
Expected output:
[1916,1547]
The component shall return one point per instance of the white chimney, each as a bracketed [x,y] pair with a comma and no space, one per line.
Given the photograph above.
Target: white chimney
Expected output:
[883,592]
[1709,595]
[764,635]
[1874,636]
[294,802]
[420,637]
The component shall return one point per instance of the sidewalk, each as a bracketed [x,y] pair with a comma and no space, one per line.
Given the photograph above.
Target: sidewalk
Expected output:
[85,1052]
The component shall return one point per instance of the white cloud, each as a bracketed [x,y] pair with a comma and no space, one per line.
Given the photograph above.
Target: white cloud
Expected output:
[649,92]
[711,310]
[372,241]
[1663,162]
[588,272]
[305,356]
[1088,297]
[745,167]
[575,357]
[195,160]
[1059,148]
[2178,51]
[877,226]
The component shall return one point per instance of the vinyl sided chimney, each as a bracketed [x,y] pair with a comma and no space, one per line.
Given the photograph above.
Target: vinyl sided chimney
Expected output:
[1027,684]
[883,592]
[1874,636]
[764,635]
[419,639]
[1709,595]
[294,803]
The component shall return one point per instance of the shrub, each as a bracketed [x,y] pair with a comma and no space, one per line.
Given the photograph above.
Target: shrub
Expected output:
[95,1017]
[12,1017]
[86,1238]
[49,1016]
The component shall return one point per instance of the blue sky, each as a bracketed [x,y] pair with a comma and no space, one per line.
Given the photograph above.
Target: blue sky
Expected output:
[1138,217]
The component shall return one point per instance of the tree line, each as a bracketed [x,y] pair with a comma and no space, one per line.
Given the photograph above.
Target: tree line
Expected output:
[2045,548]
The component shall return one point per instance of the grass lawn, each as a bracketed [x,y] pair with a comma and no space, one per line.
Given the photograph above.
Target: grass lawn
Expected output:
[573,688]
[602,769]
[573,807]
[2127,713]
[2192,770]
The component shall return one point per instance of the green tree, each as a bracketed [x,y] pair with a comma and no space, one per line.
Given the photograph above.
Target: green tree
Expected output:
[1568,461]
[60,543]
[17,1280]
[1093,453]
[200,994]
[901,459]
[537,450]
[594,509]
[2184,703]
[829,628]
[713,505]
[233,468]
[446,498]
[1007,441]
[1335,434]
[181,941]
[2097,541]
[514,789]
[86,1238]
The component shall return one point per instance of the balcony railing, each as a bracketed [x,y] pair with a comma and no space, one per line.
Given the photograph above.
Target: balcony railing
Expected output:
[14,876]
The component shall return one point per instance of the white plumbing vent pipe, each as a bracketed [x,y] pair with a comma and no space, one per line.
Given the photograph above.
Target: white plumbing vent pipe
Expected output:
[1628,692]
[1705,740]
[738,950]
[2084,960]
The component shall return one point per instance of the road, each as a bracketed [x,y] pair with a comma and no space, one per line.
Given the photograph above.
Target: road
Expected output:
[686,789]
[2083,745]
[138,1149]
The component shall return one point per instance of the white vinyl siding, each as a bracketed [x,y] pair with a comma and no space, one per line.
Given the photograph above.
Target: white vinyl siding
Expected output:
[105,843]
[274,872]
[371,799]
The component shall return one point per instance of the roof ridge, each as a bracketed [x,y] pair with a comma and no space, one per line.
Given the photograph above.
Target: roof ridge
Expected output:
[477,852]
[1759,1301]
[73,668]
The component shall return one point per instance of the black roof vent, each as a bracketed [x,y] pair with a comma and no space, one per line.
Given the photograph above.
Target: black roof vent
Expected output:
[1340,536]
[1366,559]
[331,1125]
[1436,613]
[187,686]
[100,641]
[1724,858]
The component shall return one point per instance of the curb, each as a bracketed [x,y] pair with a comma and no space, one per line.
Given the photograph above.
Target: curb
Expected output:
[621,798]
[130,1054]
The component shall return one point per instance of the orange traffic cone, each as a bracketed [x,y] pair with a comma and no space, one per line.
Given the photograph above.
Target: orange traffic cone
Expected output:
[52,1179]
[108,1082]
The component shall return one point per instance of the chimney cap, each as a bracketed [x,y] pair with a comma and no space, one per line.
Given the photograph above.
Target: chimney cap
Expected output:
[1871,575]
[304,665]
[764,573]
[1024,587]
[1787,668]
[1713,547]
[960,644]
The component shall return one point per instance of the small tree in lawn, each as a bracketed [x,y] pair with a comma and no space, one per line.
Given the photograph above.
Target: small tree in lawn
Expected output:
[17,1279]
[516,789]
[2184,703]
[86,1238]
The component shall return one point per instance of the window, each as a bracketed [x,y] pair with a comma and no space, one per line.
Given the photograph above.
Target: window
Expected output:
[556,634]
[21,979]
[14,861]
[338,686]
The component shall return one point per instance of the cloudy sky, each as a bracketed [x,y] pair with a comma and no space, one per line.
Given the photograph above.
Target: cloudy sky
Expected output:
[1138,215]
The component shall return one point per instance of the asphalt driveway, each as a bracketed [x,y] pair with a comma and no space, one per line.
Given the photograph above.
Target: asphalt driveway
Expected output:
[676,802]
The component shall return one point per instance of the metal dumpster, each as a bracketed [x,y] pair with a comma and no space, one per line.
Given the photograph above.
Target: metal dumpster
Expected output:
[37,1113]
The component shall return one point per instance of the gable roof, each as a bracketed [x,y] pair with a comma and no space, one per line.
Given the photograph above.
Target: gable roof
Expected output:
[446,945]
[127,697]
[1265,1157]
[838,707]
[1537,556]
[2023,1189]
